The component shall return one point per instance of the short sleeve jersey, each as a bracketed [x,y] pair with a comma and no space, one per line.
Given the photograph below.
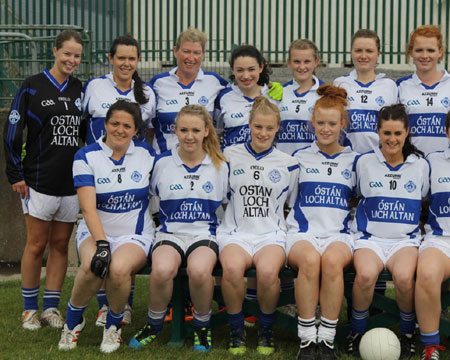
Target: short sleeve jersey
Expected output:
[190,197]
[51,112]
[364,103]
[259,186]
[172,96]
[122,187]
[439,211]
[232,114]
[390,196]
[427,107]
[326,185]
[100,93]
[296,110]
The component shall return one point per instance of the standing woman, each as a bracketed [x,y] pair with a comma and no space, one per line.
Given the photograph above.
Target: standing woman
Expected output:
[253,231]
[319,244]
[433,265]
[426,93]
[367,91]
[187,234]
[392,180]
[123,82]
[112,177]
[48,105]
[299,97]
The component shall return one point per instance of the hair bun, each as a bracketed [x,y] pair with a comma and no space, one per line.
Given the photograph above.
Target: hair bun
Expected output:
[332,91]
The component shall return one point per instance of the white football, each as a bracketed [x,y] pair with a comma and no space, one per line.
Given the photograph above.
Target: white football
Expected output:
[379,344]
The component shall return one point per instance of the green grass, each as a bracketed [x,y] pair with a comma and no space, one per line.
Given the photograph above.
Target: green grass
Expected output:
[17,343]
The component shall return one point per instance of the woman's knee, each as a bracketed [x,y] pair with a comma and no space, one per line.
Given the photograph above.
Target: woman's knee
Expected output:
[366,278]
[199,272]
[309,265]
[404,280]
[162,271]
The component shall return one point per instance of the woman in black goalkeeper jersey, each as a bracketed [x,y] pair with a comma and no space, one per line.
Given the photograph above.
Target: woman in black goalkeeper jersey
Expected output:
[48,105]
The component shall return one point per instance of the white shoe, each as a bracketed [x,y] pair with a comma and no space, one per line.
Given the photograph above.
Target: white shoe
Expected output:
[69,338]
[30,320]
[111,339]
[101,316]
[126,315]
[53,318]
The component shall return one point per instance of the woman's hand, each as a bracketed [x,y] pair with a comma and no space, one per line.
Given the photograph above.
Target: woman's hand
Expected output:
[22,188]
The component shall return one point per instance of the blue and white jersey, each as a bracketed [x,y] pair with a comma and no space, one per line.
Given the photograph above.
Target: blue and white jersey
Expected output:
[100,93]
[296,110]
[326,185]
[232,114]
[189,198]
[122,187]
[171,96]
[439,211]
[427,107]
[259,186]
[391,197]
[364,103]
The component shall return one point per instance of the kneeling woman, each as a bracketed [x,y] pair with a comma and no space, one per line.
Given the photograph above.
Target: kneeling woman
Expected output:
[392,180]
[191,183]
[319,244]
[112,177]
[253,231]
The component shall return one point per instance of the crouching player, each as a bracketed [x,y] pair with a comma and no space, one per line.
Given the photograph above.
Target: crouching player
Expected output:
[112,177]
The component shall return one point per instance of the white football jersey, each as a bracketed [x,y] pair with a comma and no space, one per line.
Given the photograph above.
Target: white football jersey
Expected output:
[189,198]
[259,186]
[391,197]
[100,93]
[172,96]
[427,107]
[296,109]
[364,103]
[326,185]
[439,211]
[122,187]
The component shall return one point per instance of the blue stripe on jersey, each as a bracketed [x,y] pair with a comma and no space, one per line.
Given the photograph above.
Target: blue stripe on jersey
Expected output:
[281,193]
[34,117]
[222,81]
[83,180]
[403,79]
[60,87]
[141,217]
[364,85]
[363,120]
[257,156]
[290,82]
[389,210]
[158,76]
[122,201]
[293,167]
[427,124]
[300,217]
[322,194]
[439,207]
[236,135]
[220,96]
[293,131]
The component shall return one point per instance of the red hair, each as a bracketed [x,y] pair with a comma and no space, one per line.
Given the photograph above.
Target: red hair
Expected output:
[332,97]
[428,31]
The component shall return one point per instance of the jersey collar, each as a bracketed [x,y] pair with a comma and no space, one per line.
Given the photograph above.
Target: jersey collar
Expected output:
[353,75]
[199,77]
[60,87]
[313,88]
[264,91]
[315,149]
[256,155]
[110,76]
[178,162]
[444,78]
[108,151]
[409,160]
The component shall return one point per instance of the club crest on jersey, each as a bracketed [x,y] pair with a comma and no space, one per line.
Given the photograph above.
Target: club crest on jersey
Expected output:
[446,102]
[311,109]
[203,100]
[208,187]
[274,176]
[78,104]
[14,117]
[379,100]
[410,186]
[136,176]
[346,174]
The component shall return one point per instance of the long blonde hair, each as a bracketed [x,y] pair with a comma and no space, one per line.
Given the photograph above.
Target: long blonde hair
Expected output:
[211,142]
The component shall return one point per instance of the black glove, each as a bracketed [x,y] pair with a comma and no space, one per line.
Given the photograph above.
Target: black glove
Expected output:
[101,259]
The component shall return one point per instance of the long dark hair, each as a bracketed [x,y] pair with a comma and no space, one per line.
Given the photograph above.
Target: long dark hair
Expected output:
[398,112]
[253,52]
[128,40]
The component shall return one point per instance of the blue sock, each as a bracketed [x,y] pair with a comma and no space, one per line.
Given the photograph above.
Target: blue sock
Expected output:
[130,297]
[30,298]
[74,315]
[359,321]
[51,298]
[201,320]
[250,294]
[156,319]
[101,298]
[113,319]
[265,320]
[429,339]
[236,320]
[407,322]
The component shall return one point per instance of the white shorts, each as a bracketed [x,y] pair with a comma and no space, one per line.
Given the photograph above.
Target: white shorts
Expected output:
[251,247]
[385,248]
[49,207]
[185,244]
[320,244]
[441,243]
[144,241]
